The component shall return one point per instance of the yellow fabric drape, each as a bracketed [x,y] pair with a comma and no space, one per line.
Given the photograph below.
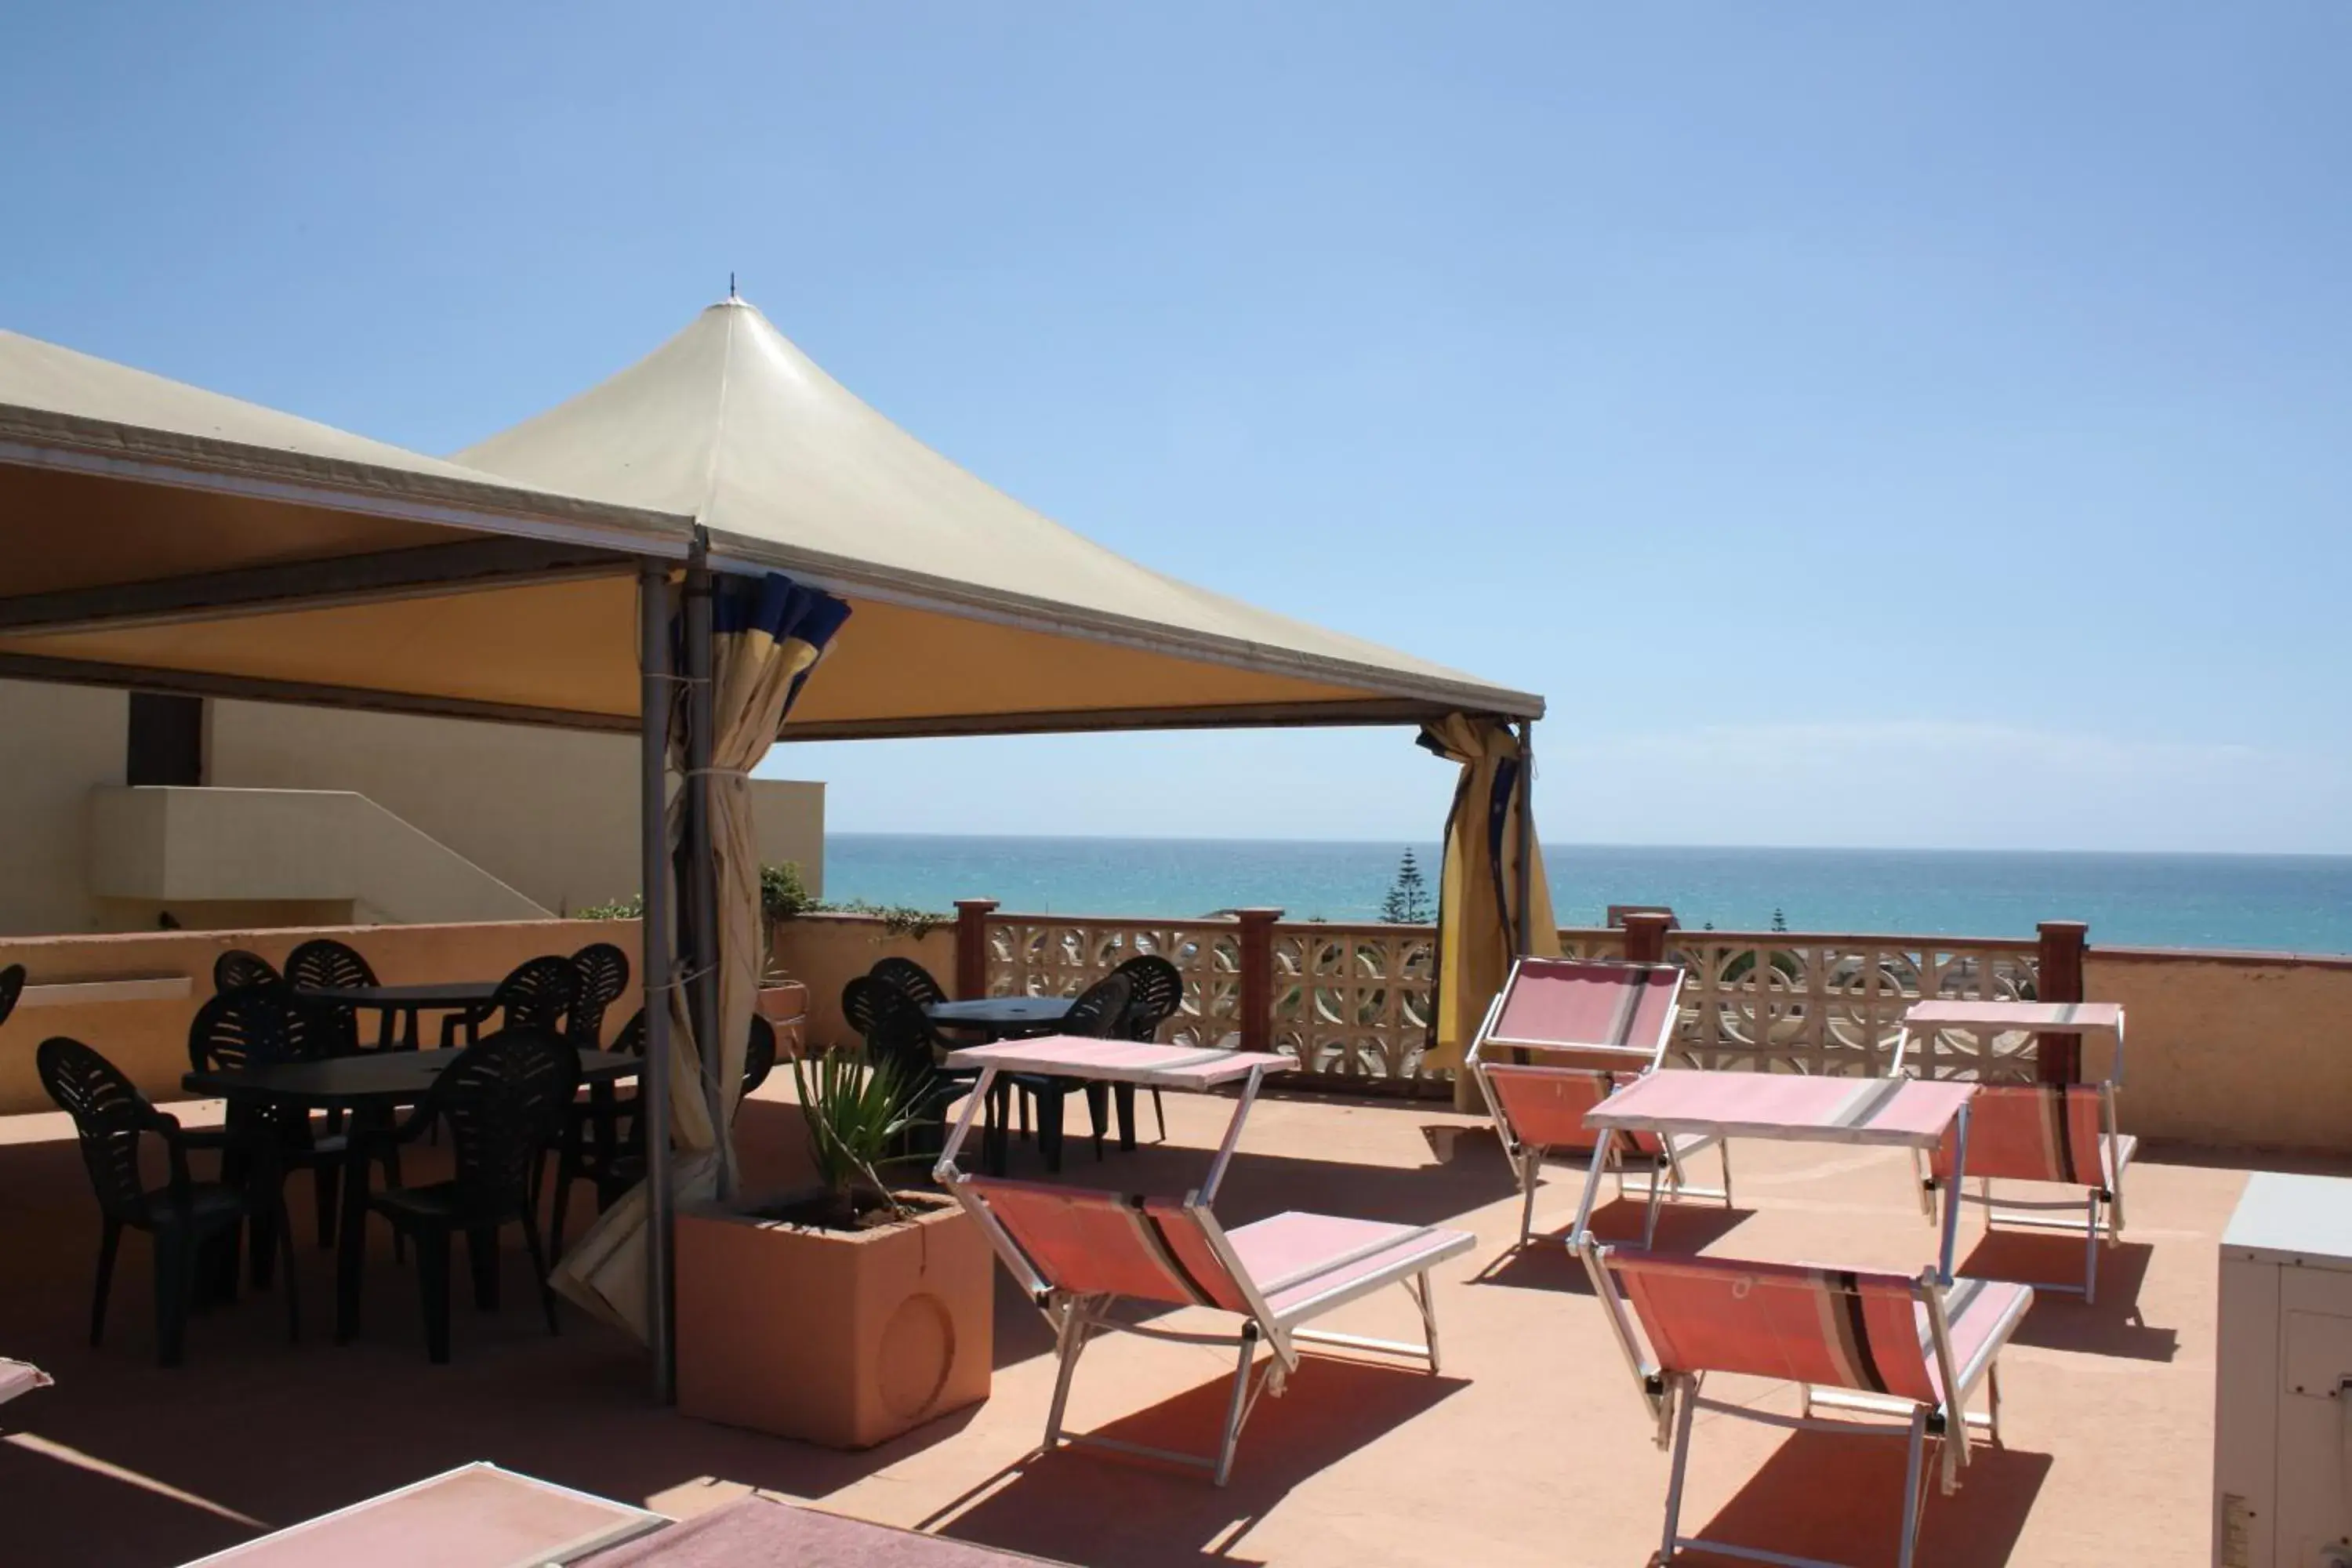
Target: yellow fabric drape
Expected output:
[1478,890]
[754,677]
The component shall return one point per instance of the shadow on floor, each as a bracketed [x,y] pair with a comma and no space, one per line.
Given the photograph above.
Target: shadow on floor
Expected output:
[1545,1263]
[1086,1504]
[1840,1497]
[2061,1321]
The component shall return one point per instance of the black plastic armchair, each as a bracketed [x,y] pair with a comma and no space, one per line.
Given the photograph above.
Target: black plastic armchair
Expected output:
[184,1218]
[1156,995]
[325,962]
[503,1102]
[538,994]
[237,970]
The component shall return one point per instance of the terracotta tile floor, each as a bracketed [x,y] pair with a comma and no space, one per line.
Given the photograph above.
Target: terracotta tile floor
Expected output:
[1531,1449]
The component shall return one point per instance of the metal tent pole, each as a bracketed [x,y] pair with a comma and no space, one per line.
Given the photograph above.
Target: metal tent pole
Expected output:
[1527,921]
[701,890]
[654,954]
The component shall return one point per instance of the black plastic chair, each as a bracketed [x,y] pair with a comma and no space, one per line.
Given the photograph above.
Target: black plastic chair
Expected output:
[324,962]
[11,986]
[1156,995]
[895,1032]
[503,1102]
[254,1027]
[537,996]
[617,1169]
[911,978]
[183,1218]
[237,969]
[1097,1014]
[602,973]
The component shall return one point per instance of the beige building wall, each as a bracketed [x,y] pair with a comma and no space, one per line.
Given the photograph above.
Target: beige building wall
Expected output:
[56,744]
[552,814]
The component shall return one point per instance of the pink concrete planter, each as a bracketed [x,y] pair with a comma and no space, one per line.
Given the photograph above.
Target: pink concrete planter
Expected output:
[844,1338]
[785,1004]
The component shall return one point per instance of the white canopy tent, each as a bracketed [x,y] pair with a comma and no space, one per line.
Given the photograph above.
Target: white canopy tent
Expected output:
[159,537]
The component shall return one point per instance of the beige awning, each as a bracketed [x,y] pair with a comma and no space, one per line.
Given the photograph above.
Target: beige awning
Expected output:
[157,534]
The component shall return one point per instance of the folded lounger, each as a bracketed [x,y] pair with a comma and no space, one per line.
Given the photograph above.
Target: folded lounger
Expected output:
[1860,1343]
[1561,1036]
[1079,1251]
[2063,1134]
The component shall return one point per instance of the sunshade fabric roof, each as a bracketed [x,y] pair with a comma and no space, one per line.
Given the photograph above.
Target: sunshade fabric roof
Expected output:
[730,422]
[160,535]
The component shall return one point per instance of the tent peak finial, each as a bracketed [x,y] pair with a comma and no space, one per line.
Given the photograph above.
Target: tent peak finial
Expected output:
[730,286]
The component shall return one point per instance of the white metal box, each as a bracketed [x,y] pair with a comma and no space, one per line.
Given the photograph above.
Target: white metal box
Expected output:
[2282,1415]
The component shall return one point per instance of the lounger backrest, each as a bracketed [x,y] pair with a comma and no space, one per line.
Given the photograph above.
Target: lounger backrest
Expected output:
[1545,1106]
[1092,1242]
[2033,1133]
[1828,1327]
[1609,1014]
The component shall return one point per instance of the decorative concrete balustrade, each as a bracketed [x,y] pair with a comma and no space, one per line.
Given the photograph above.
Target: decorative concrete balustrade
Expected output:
[1352,1003]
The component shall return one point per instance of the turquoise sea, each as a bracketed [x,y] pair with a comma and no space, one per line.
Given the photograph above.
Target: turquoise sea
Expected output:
[2296,904]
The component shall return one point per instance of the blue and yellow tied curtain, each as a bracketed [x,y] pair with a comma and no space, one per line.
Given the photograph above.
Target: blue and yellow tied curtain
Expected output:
[1478,891]
[768,632]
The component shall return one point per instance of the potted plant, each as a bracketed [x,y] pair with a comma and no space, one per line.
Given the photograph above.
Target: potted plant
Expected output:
[845,1313]
[782,999]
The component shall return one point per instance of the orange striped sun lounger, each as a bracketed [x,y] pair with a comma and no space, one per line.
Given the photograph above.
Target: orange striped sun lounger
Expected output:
[2056,1134]
[1561,1036]
[1869,1345]
[1080,1253]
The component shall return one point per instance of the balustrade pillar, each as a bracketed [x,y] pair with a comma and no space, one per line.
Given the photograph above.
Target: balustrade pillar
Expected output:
[2060,979]
[1257,977]
[1645,935]
[972,947]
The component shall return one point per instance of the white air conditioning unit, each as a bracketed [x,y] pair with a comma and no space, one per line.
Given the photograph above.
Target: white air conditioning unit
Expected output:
[2283,1406]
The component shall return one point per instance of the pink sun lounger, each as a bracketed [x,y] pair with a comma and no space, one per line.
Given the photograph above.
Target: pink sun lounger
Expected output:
[1867,1344]
[1561,1036]
[1080,1252]
[20,1377]
[2056,1134]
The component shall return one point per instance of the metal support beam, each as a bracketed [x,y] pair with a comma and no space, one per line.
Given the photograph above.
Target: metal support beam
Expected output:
[1526,933]
[427,569]
[701,881]
[254,689]
[657,971]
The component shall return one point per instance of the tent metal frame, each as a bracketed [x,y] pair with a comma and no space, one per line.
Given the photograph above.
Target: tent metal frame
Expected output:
[523,537]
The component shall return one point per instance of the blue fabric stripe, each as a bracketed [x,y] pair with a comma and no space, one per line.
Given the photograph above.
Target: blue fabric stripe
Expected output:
[777,606]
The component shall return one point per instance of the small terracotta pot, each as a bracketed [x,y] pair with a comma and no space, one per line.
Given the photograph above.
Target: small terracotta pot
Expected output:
[845,1338]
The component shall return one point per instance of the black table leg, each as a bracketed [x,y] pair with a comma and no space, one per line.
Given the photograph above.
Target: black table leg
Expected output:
[351,1258]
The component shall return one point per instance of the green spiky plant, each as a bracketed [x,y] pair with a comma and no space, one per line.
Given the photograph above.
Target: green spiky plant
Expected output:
[854,1111]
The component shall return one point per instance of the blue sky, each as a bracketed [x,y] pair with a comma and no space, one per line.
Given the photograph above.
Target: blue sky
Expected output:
[1865,427]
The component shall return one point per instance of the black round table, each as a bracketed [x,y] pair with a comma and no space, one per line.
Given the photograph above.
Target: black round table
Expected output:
[371,1088]
[406,1002]
[1026,1017]
[1001,1017]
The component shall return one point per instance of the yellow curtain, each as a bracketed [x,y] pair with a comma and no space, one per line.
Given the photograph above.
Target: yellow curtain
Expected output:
[1479,890]
[768,635]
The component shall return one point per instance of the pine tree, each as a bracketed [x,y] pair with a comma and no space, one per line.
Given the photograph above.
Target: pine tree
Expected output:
[1407,903]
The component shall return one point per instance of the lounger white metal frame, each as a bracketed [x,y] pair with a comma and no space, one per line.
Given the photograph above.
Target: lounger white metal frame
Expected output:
[1675,1396]
[2099,1214]
[1077,1316]
[1602,1059]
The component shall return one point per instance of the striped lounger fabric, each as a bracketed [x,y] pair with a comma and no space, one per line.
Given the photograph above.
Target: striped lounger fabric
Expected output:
[1870,1345]
[1562,1036]
[2060,1134]
[1080,1252]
